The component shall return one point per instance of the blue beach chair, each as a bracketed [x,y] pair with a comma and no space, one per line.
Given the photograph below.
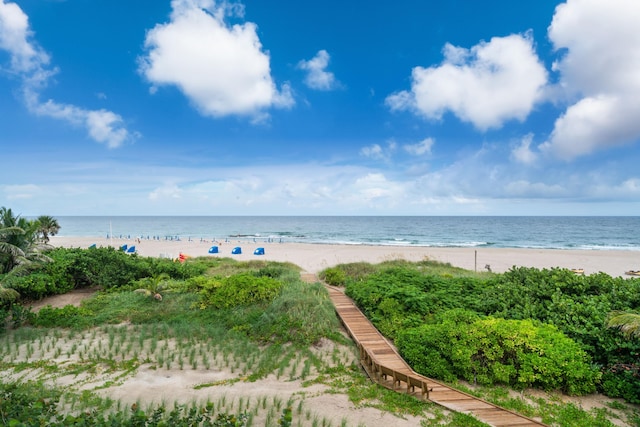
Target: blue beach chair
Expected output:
[236,251]
[259,251]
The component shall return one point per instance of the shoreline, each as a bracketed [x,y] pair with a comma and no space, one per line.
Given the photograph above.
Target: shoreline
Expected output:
[314,257]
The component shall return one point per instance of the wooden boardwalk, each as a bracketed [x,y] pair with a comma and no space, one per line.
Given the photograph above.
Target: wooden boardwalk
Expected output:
[384,365]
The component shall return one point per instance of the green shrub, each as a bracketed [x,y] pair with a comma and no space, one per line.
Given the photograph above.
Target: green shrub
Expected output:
[488,351]
[136,308]
[622,380]
[37,285]
[107,268]
[20,315]
[175,270]
[401,295]
[4,315]
[395,298]
[239,290]
[111,268]
[333,276]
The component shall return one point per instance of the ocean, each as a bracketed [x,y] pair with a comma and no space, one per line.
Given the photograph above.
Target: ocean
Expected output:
[549,232]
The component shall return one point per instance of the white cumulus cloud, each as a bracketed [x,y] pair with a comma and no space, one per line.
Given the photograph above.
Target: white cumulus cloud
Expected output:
[523,153]
[222,69]
[487,85]
[378,152]
[317,75]
[14,38]
[421,148]
[373,151]
[30,64]
[600,43]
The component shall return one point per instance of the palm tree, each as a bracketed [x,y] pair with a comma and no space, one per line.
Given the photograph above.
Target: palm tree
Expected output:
[152,286]
[628,323]
[18,243]
[18,250]
[47,226]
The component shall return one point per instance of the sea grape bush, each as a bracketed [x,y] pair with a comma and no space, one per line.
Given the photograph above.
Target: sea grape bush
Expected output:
[37,285]
[75,268]
[238,290]
[578,306]
[518,353]
[402,297]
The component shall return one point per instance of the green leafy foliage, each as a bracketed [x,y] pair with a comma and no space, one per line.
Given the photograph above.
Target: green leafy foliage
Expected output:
[19,243]
[20,315]
[398,296]
[107,268]
[579,306]
[518,353]
[333,276]
[239,290]
[134,307]
[37,285]
[286,418]
[622,380]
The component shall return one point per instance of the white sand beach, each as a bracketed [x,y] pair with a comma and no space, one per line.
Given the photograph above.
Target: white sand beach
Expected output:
[313,258]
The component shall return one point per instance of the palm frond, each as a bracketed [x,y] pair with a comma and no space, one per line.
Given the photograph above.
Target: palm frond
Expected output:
[628,323]
[11,231]
[8,294]
[11,250]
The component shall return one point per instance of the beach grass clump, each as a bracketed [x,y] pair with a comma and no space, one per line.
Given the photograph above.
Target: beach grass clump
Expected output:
[302,313]
[136,308]
[31,404]
[63,317]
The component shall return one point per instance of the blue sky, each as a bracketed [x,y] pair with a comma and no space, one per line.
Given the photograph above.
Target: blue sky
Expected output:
[203,107]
